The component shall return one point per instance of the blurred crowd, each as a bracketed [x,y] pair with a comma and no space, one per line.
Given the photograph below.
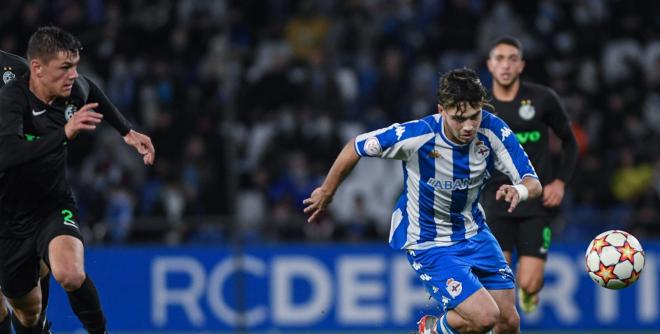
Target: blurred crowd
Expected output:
[249,102]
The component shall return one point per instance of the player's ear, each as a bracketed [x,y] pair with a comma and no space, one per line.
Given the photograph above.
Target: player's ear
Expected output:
[440,109]
[35,67]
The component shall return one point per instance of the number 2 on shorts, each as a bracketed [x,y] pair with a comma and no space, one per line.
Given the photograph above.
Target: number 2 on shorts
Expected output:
[67,215]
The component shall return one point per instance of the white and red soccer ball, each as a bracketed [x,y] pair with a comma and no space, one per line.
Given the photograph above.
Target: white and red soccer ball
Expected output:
[614,259]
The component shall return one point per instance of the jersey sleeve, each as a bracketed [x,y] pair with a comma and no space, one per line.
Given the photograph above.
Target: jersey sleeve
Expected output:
[398,141]
[557,119]
[510,158]
[14,149]
[110,113]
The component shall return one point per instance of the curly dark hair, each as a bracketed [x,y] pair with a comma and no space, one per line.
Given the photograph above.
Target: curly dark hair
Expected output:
[460,87]
[47,42]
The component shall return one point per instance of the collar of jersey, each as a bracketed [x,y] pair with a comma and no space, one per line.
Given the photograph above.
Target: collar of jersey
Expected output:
[446,140]
[58,103]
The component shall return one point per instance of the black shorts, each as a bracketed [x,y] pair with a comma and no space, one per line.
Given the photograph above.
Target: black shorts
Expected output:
[20,257]
[529,236]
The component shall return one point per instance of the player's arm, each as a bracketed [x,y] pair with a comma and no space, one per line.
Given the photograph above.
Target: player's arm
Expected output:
[14,148]
[558,121]
[529,187]
[142,143]
[511,159]
[322,196]
[394,142]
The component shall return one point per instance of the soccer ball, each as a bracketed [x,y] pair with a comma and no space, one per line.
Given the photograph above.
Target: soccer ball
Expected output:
[614,259]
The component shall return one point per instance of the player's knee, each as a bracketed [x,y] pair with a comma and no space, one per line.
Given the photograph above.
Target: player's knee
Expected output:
[509,323]
[69,278]
[486,320]
[29,315]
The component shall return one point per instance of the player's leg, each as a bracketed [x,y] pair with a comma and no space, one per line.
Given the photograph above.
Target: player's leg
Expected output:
[476,314]
[61,247]
[448,277]
[67,263]
[27,309]
[44,284]
[5,322]
[531,263]
[19,279]
[496,276]
[509,321]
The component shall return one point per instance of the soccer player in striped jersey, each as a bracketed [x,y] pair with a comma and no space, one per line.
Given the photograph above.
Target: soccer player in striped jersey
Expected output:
[447,159]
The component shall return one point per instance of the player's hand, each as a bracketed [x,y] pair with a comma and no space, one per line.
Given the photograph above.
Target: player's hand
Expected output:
[316,204]
[553,193]
[85,119]
[509,194]
[143,145]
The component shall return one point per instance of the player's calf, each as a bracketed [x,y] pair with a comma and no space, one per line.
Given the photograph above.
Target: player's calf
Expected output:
[508,323]
[482,325]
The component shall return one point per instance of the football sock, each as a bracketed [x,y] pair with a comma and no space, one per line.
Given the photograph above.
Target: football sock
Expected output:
[5,325]
[444,327]
[20,329]
[86,305]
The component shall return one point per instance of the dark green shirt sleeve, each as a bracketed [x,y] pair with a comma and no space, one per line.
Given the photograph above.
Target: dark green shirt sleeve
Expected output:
[558,121]
[110,113]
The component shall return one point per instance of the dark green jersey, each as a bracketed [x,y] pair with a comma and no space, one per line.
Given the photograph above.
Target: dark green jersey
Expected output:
[534,112]
[33,148]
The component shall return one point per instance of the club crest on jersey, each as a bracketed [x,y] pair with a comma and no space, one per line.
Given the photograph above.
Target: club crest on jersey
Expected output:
[454,287]
[69,110]
[482,150]
[526,110]
[8,76]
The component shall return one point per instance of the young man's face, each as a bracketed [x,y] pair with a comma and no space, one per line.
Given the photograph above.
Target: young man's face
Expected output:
[460,127]
[505,63]
[59,73]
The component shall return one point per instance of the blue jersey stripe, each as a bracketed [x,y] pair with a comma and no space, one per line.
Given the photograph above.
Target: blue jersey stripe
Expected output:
[400,235]
[476,213]
[426,192]
[490,168]
[459,195]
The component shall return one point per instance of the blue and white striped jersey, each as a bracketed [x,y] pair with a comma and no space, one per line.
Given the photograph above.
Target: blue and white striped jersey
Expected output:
[439,204]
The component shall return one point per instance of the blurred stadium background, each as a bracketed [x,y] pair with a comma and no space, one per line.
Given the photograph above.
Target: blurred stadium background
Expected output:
[248,103]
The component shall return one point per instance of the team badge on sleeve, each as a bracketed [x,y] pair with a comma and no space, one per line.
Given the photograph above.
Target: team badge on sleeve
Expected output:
[8,76]
[372,146]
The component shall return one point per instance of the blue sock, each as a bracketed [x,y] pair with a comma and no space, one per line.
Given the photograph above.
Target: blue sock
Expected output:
[444,327]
